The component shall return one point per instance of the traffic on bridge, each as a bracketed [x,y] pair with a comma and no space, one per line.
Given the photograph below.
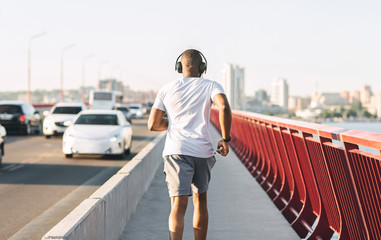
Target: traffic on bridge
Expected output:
[39,186]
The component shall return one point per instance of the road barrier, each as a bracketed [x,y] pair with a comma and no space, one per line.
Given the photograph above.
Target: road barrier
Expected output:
[106,213]
[316,175]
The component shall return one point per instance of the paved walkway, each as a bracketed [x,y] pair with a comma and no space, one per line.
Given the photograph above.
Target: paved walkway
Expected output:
[238,208]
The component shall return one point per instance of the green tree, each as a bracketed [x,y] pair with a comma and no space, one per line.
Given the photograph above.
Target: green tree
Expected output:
[326,114]
[357,107]
[337,114]
[368,114]
[351,113]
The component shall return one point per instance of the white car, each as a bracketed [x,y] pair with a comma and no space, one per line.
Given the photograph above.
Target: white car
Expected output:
[98,132]
[136,110]
[61,112]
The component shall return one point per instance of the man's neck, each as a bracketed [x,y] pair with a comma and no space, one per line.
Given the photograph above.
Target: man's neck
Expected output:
[191,75]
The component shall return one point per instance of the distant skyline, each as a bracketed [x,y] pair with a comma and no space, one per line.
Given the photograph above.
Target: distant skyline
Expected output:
[335,43]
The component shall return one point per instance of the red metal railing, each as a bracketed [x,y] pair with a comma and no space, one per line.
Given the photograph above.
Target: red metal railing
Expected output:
[321,187]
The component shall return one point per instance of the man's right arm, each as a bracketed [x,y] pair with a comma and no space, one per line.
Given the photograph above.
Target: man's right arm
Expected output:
[157,121]
[225,117]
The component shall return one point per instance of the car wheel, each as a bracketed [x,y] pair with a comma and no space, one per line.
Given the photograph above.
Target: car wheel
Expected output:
[27,130]
[123,154]
[48,136]
[68,155]
[128,150]
[39,129]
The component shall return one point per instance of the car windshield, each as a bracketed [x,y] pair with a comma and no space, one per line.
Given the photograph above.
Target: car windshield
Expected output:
[10,109]
[134,107]
[67,110]
[97,119]
[123,109]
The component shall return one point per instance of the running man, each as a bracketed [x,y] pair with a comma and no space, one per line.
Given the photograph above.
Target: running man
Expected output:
[188,153]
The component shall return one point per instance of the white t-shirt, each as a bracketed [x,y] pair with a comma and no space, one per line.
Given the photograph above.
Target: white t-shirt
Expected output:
[187,102]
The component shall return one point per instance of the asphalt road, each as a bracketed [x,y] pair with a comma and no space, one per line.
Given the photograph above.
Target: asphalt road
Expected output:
[39,186]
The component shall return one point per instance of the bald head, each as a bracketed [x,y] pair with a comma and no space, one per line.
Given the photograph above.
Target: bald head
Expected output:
[191,57]
[190,61]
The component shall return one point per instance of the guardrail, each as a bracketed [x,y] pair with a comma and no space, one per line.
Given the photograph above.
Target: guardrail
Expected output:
[315,174]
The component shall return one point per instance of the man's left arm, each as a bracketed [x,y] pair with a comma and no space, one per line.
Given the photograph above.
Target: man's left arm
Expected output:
[157,121]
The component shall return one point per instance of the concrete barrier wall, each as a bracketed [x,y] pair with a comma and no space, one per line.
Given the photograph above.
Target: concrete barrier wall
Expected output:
[106,213]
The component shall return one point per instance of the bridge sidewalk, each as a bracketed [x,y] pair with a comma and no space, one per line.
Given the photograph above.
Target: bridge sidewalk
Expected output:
[238,208]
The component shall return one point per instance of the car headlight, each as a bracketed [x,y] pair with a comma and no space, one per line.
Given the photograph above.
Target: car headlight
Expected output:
[114,138]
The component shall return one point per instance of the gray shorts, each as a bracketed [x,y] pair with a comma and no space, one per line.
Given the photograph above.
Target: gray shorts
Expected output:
[185,174]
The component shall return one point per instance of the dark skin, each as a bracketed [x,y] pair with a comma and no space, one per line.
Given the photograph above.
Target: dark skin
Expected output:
[157,122]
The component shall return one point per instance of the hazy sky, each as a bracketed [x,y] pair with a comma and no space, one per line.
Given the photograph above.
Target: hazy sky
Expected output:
[336,43]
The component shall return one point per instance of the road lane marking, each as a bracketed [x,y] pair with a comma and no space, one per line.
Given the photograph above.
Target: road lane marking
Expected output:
[5,168]
[16,167]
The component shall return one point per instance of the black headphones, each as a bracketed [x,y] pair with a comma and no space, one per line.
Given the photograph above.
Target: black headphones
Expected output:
[202,68]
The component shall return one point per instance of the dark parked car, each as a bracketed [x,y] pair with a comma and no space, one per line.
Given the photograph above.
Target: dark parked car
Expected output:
[20,117]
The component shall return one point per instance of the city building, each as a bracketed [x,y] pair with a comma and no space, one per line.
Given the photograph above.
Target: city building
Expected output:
[293,103]
[110,85]
[329,99]
[234,85]
[365,94]
[375,105]
[345,95]
[354,97]
[279,92]
[303,103]
[378,104]
[261,95]
[298,103]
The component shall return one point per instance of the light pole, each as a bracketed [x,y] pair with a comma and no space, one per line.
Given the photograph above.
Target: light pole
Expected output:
[62,70]
[29,95]
[84,74]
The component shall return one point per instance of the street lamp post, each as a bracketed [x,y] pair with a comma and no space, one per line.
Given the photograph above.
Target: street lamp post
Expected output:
[62,70]
[84,74]
[29,95]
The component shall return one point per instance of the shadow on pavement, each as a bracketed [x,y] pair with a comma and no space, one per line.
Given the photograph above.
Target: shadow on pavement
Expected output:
[11,138]
[51,174]
[106,157]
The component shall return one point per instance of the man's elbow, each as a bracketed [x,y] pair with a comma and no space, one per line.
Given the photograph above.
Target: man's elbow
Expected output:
[225,108]
[150,126]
